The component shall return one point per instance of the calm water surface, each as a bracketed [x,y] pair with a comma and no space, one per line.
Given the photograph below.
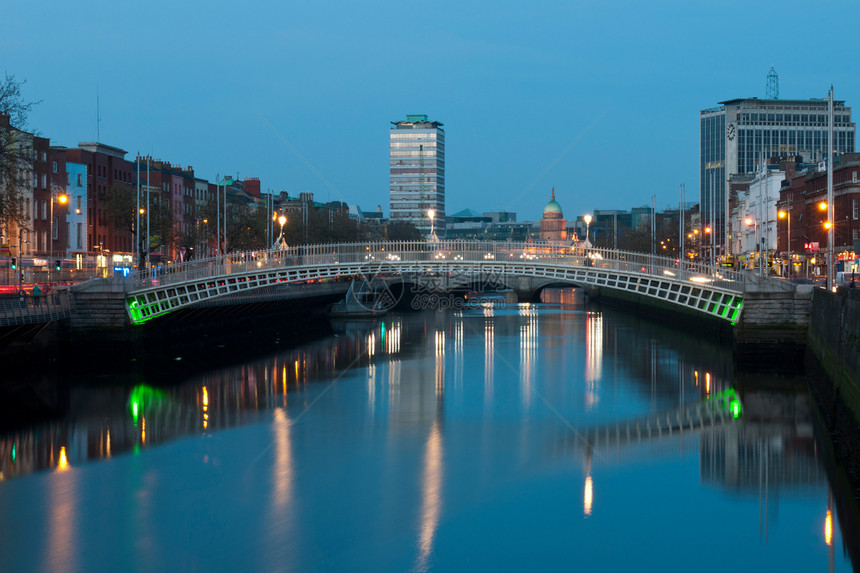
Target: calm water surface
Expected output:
[437,441]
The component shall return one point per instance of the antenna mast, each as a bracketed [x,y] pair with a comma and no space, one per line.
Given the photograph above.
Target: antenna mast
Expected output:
[772,85]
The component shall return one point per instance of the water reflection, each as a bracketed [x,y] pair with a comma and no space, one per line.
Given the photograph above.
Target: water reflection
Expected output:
[431,496]
[428,430]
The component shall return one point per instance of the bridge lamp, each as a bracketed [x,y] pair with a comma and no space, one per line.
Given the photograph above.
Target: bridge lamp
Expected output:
[827,224]
[822,206]
[282,220]
[587,219]
[431,213]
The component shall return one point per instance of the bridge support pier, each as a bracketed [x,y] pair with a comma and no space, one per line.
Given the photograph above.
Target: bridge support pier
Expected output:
[772,330]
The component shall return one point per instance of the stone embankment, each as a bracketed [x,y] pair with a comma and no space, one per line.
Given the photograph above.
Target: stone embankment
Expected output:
[772,331]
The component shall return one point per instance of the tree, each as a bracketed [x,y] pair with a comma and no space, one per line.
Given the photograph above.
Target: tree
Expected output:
[16,157]
[121,212]
[403,231]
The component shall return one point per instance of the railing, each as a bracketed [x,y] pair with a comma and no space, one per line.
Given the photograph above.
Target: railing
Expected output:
[399,253]
[28,309]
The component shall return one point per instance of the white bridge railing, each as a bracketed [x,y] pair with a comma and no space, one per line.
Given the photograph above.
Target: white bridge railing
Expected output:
[394,252]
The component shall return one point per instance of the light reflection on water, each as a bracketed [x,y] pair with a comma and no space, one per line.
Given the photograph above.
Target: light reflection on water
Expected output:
[427,442]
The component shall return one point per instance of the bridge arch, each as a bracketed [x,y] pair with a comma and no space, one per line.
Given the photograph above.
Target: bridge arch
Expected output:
[709,290]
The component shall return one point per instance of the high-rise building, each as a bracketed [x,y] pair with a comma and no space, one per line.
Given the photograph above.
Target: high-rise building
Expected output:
[417,163]
[742,135]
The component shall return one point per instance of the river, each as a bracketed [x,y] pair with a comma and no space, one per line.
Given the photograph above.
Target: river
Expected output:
[453,440]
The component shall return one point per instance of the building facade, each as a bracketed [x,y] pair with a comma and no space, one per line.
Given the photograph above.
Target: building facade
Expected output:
[741,135]
[417,173]
[76,219]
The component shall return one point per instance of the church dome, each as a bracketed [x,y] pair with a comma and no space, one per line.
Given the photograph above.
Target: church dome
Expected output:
[552,209]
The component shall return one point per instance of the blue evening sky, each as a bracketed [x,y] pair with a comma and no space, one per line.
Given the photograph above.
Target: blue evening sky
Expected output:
[598,99]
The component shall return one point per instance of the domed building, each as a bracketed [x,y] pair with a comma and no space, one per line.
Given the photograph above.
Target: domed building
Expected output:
[553,226]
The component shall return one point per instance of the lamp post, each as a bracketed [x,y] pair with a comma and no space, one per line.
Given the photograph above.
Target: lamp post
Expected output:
[62,199]
[281,243]
[431,213]
[751,221]
[786,214]
[587,219]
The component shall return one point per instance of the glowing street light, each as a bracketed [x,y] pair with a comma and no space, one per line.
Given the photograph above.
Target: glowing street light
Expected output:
[587,219]
[751,221]
[431,213]
[281,243]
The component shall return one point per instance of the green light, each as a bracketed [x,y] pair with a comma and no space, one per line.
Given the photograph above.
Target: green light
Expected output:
[736,409]
[13,453]
[382,332]
[141,398]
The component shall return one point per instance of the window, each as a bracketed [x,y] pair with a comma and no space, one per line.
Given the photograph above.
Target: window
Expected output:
[55,228]
[78,208]
[44,157]
[80,182]
[54,166]
[853,177]
[44,210]
[855,213]
[44,181]
[79,236]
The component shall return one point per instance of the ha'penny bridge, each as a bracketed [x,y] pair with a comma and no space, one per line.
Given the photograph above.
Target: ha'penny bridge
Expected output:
[769,311]
[524,267]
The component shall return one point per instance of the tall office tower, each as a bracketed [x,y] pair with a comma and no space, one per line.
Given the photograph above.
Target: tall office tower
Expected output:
[742,135]
[417,154]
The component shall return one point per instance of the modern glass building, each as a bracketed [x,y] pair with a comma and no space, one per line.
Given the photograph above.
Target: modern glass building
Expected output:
[742,135]
[417,164]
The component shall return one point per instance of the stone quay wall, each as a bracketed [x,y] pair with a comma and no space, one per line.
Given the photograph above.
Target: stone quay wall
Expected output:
[834,339]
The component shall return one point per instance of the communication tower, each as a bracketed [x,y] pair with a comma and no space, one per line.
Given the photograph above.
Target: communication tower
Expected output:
[772,84]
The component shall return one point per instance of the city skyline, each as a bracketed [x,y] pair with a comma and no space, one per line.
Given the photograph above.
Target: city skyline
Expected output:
[550,96]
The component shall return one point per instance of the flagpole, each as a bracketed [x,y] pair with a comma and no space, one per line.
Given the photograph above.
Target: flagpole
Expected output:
[830,166]
[148,209]
[137,214]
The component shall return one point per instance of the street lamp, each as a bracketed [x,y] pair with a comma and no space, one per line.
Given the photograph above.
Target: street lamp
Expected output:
[431,213]
[281,243]
[786,214]
[587,219]
[62,199]
[751,221]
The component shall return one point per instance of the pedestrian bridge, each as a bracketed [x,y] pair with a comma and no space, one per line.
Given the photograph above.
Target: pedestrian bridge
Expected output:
[709,290]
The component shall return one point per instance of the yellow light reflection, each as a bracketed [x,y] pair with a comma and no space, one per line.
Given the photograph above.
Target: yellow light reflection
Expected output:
[828,528]
[589,496]
[431,496]
[283,468]
[63,463]
[107,444]
[707,383]
[440,363]
[297,371]
[528,350]
[489,360]
[143,431]
[593,357]
[371,344]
